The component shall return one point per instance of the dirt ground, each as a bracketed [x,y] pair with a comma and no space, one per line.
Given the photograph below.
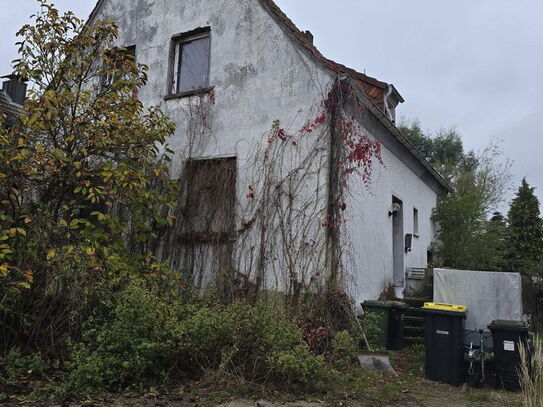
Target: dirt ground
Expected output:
[422,393]
[427,395]
[438,395]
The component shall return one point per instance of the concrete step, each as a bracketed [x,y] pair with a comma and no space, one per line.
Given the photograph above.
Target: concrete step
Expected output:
[414,319]
[415,329]
[413,340]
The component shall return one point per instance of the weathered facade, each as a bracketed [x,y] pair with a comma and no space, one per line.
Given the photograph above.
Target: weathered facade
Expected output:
[254,150]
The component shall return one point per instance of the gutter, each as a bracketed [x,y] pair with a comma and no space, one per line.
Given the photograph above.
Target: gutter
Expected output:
[406,143]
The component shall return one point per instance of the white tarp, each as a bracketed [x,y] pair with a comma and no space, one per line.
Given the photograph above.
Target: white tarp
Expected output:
[488,295]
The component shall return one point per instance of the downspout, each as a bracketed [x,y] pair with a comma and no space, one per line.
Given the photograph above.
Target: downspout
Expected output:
[388,113]
[332,253]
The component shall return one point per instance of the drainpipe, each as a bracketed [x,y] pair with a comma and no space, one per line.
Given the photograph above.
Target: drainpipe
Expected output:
[385,102]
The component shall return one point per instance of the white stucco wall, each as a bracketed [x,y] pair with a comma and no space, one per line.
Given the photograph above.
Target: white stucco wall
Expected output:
[370,227]
[259,75]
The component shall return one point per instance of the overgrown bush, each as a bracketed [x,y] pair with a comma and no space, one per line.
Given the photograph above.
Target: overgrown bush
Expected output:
[14,365]
[344,350]
[133,344]
[146,340]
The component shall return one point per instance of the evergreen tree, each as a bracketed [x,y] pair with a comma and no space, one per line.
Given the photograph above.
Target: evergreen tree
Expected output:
[496,230]
[525,240]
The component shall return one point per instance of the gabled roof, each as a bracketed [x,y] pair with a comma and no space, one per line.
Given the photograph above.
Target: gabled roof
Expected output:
[373,88]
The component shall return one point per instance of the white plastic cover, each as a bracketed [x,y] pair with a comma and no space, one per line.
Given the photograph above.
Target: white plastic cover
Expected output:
[488,295]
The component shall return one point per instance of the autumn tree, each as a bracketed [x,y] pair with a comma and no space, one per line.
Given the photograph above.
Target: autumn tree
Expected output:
[83,173]
[466,237]
[525,231]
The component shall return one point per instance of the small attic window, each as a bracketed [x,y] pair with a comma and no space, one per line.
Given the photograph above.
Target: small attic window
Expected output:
[189,62]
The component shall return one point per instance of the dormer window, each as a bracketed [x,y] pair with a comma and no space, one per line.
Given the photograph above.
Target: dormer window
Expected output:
[189,64]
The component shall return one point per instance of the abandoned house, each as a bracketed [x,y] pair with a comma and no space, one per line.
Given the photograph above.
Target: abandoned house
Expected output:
[292,170]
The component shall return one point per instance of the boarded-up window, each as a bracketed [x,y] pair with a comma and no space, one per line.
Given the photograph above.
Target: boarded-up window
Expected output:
[210,198]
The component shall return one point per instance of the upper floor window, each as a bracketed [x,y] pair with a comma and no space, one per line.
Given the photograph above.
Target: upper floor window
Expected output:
[190,63]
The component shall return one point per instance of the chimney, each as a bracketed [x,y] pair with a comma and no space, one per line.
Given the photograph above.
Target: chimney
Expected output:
[309,36]
[15,88]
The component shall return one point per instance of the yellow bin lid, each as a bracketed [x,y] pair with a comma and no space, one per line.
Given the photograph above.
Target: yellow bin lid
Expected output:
[445,307]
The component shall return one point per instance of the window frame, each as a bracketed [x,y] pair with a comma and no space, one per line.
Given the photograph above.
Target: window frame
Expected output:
[416,224]
[176,43]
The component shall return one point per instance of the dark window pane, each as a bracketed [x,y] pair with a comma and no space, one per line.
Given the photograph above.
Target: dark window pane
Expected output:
[131,51]
[193,65]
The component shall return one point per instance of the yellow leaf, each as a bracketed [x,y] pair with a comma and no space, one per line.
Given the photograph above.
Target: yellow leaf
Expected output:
[12,232]
[90,251]
[63,223]
[21,231]
[51,254]
[4,270]
[20,142]
[28,220]
[29,276]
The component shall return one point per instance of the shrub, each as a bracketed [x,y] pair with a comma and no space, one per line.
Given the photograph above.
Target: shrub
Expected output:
[133,346]
[146,339]
[15,365]
[344,351]
[297,367]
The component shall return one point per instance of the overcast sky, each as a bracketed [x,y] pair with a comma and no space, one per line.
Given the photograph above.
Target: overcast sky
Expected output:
[473,64]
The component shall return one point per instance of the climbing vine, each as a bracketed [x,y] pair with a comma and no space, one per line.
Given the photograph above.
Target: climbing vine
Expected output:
[286,231]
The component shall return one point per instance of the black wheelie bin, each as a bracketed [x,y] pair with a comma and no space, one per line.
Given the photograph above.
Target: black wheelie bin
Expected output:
[444,343]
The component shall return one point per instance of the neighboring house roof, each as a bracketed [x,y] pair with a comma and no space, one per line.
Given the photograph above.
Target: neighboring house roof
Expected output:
[371,87]
[8,108]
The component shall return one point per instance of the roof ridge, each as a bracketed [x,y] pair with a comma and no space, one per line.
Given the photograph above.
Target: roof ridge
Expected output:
[94,11]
